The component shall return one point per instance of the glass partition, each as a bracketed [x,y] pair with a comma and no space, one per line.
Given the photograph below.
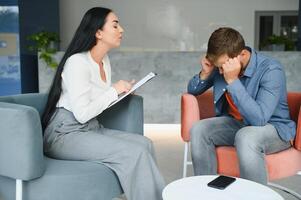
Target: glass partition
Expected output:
[10,81]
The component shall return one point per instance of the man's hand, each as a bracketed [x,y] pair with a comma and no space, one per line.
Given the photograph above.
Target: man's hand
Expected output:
[207,68]
[123,86]
[231,69]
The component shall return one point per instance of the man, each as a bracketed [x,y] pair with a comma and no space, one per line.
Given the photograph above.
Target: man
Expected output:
[251,107]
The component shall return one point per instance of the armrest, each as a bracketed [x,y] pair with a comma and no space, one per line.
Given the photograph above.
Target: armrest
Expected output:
[195,108]
[35,100]
[21,143]
[126,115]
[298,132]
[189,114]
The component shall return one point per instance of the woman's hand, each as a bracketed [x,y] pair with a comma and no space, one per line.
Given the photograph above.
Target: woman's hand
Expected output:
[123,86]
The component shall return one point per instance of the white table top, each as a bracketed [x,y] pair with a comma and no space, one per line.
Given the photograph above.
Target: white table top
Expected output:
[195,188]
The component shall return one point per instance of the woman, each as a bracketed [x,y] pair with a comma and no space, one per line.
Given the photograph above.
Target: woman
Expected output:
[82,90]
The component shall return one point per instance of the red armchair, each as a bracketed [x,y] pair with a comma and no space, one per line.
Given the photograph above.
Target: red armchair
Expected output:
[279,165]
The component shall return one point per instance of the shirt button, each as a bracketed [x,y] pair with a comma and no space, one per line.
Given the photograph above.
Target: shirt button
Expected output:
[224,89]
[214,102]
[202,82]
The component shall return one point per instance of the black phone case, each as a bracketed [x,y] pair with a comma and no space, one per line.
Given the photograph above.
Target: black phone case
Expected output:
[221,182]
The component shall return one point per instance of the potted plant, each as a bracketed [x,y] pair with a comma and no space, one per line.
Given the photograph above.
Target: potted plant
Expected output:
[277,43]
[46,43]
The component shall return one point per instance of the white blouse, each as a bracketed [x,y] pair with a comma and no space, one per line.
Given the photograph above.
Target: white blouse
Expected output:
[84,93]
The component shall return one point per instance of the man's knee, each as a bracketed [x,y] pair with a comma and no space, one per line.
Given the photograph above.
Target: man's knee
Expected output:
[200,130]
[248,137]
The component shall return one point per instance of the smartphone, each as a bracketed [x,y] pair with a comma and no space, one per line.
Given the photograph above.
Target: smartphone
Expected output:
[221,182]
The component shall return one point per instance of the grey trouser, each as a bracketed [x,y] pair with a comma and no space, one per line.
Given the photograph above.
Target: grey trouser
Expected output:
[251,143]
[130,156]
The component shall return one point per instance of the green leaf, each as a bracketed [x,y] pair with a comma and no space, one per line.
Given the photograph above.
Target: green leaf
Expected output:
[41,41]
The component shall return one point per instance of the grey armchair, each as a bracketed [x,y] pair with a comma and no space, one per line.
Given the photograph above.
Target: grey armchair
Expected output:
[25,172]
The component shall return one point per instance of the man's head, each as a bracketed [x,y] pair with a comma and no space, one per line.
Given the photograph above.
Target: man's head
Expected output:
[224,43]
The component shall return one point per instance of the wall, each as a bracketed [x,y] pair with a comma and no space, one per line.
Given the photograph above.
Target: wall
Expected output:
[174,25]
[162,94]
[168,36]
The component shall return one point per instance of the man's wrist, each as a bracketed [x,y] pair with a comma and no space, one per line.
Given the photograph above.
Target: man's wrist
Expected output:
[231,80]
[203,75]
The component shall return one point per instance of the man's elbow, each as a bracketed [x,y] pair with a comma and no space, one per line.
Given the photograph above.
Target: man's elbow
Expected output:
[192,90]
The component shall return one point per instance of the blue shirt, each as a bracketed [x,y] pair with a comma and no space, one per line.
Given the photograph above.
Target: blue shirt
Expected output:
[260,94]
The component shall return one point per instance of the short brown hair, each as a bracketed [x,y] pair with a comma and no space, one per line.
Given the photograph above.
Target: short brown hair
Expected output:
[222,41]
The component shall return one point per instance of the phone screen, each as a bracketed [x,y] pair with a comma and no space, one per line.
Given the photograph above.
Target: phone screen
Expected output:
[221,182]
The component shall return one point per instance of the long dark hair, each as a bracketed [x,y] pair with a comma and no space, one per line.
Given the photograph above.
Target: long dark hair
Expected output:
[83,40]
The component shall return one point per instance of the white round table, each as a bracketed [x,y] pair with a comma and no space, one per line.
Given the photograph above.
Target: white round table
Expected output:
[195,188]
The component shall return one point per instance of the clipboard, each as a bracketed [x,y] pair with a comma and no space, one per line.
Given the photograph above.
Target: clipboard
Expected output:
[144,80]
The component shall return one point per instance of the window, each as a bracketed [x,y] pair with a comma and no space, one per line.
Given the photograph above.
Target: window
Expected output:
[280,23]
[10,72]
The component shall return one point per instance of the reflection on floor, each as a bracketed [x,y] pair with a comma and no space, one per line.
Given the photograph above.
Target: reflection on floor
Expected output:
[170,151]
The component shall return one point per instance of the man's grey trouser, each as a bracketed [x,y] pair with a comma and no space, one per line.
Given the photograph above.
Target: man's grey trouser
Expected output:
[251,143]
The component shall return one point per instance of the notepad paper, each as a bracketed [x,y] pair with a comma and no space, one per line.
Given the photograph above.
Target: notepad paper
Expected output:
[135,87]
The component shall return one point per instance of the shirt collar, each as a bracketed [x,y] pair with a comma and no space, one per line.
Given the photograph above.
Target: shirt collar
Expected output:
[95,63]
[251,66]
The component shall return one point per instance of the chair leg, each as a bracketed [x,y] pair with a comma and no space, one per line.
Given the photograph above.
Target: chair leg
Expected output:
[293,193]
[186,162]
[19,189]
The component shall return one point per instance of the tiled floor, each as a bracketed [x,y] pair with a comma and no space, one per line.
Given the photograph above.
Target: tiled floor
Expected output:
[169,150]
